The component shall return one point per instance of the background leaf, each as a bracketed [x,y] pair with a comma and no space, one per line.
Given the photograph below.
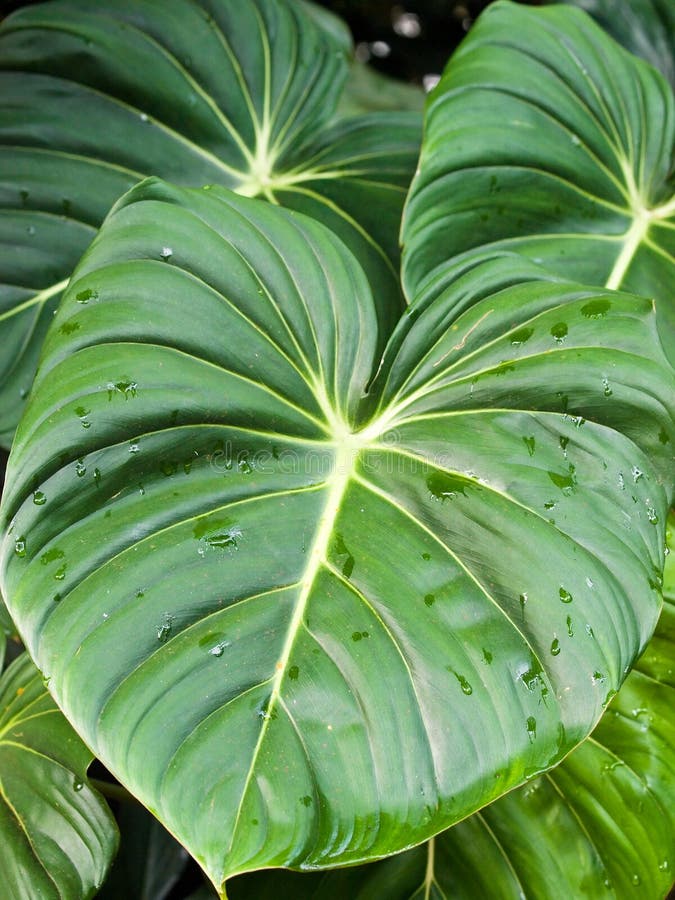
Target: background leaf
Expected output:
[94,98]
[57,836]
[6,626]
[367,90]
[447,588]
[149,862]
[569,164]
[644,27]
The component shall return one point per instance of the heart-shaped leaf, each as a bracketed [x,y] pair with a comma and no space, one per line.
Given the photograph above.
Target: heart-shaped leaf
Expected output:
[57,836]
[306,625]
[94,97]
[568,163]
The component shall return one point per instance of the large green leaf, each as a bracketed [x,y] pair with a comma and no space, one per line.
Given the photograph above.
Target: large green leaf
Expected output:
[567,162]
[306,626]
[57,836]
[645,27]
[600,825]
[94,97]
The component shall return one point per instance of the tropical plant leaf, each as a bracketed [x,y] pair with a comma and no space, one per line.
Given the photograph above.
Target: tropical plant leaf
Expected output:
[644,27]
[335,27]
[600,825]
[306,626]
[57,836]
[6,626]
[568,164]
[95,97]
[149,863]
[367,90]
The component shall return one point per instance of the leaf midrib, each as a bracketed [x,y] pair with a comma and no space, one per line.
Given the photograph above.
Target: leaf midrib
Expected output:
[343,471]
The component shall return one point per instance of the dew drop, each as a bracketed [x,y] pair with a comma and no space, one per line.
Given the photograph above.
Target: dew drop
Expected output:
[218,649]
[463,683]
[570,630]
[429,599]
[39,499]
[443,486]
[521,336]
[86,295]
[530,444]
[293,673]
[531,728]
[606,389]
[81,412]
[596,309]
[164,630]
[565,483]
[20,546]
[522,599]
[555,647]
[78,785]
[559,332]
[225,539]
[346,558]
[166,253]
[487,656]
[426,557]
[565,595]
[125,387]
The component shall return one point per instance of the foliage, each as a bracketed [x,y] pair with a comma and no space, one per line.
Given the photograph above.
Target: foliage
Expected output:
[576,171]
[314,575]
[198,94]
[57,836]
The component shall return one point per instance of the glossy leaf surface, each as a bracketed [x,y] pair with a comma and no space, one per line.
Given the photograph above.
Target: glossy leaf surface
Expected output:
[569,163]
[57,836]
[307,625]
[644,27]
[95,97]
[599,825]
